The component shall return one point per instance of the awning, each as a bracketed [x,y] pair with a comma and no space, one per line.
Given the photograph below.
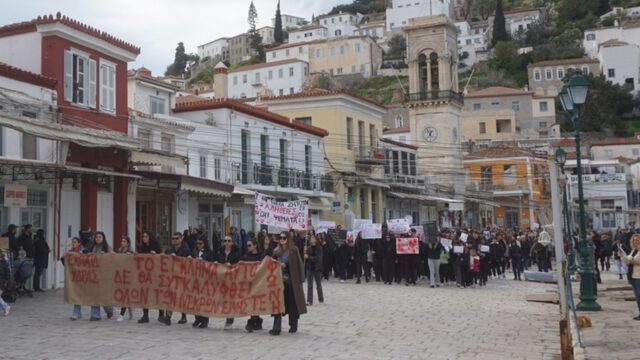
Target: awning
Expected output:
[83,170]
[205,186]
[375,183]
[395,195]
[239,190]
[484,202]
[319,203]
[441,199]
[42,170]
[80,135]
[152,158]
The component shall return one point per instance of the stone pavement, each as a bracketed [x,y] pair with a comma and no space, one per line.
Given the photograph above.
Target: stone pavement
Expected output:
[614,334]
[367,321]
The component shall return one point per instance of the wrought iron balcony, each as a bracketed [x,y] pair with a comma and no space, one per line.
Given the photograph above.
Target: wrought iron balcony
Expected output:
[367,155]
[269,175]
[435,95]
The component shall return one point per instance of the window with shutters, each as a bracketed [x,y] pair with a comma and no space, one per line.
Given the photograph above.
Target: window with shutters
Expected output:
[107,86]
[79,78]
[29,146]
[158,105]
[144,136]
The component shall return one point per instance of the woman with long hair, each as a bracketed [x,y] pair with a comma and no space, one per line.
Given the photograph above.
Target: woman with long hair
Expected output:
[149,245]
[288,256]
[125,248]
[100,246]
[633,259]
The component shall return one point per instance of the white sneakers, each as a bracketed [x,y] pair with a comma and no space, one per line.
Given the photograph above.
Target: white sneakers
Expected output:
[6,310]
[120,318]
[228,326]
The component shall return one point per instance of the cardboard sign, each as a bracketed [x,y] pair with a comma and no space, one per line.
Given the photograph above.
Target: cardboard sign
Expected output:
[174,283]
[446,242]
[288,215]
[372,231]
[4,243]
[464,237]
[484,248]
[15,195]
[359,224]
[323,226]
[399,226]
[407,246]
[351,237]
[458,249]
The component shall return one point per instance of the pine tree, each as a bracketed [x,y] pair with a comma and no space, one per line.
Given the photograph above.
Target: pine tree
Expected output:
[255,40]
[499,26]
[278,36]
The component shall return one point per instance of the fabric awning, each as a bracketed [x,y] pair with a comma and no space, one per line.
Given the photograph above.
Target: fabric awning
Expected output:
[484,202]
[239,190]
[395,194]
[152,158]
[83,170]
[205,186]
[204,190]
[80,135]
[375,183]
[441,199]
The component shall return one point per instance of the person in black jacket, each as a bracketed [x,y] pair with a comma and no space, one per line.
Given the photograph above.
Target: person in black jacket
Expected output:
[181,249]
[229,254]
[496,253]
[26,241]
[5,280]
[362,247]
[388,250]
[376,247]
[515,253]
[14,246]
[201,252]
[253,254]
[313,260]
[41,258]
[327,255]
[149,245]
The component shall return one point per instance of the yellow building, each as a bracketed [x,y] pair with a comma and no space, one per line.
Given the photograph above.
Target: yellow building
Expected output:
[352,153]
[518,179]
[345,56]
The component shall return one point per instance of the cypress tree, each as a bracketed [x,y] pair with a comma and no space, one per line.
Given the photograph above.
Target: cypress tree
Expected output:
[278,36]
[499,26]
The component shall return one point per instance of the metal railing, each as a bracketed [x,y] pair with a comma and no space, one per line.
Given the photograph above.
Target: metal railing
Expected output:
[269,175]
[599,178]
[369,155]
[434,95]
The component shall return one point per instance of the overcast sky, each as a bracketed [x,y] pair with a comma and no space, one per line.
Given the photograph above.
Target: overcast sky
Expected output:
[158,25]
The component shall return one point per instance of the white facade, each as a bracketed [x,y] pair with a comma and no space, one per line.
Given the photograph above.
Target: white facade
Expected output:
[629,149]
[308,33]
[23,49]
[594,37]
[298,51]
[473,41]
[342,24]
[376,30]
[212,49]
[289,21]
[266,33]
[268,79]
[401,11]
[621,64]
[518,21]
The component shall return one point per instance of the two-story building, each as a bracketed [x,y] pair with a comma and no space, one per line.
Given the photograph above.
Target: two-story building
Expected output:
[352,153]
[290,21]
[239,48]
[217,49]
[473,41]
[399,12]
[346,56]
[518,180]
[621,63]
[547,77]
[256,150]
[267,79]
[308,33]
[340,24]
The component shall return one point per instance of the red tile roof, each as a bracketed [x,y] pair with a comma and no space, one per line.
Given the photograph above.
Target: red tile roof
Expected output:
[401,130]
[617,141]
[397,143]
[504,151]
[140,75]
[625,160]
[574,61]
[15,73]
[497,91]
[265,65]
[517,11]
[30,26]
[566,142]
[207,104]
[317,92]
[183,99]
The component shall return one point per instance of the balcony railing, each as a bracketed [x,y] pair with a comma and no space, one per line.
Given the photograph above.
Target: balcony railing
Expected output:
[405,180]
[435,95]
[599,178]
[269,175]
[368,155]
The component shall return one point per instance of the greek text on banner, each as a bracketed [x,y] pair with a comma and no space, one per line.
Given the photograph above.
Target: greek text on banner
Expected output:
[187,285]
[288,214]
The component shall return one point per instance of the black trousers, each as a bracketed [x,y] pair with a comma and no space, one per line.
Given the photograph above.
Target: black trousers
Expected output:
[377,267]
[412,267]
[388,267]
[36,277]
[362,266]
[317,276]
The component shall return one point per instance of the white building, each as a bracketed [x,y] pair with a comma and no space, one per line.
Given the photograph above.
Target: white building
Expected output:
[400,11]
[215,49]
[473,41]
[620,63]
[375,29]
[632,12]
[266,33]
[593,38]
[308,33]
[295,50]
[290,21]
[341,24]
[267,79]
[256,150]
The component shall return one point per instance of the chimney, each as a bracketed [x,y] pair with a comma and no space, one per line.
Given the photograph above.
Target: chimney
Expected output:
[220,81]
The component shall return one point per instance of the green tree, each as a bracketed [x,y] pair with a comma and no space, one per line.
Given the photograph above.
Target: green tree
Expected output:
[179,65]
[484,8]
[278,36]
[397,47]
[576,13]
[255,40]
[499,26]
[606,107]
[505,57]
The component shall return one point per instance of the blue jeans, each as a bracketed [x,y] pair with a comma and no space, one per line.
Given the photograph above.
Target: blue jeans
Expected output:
[3,305]
[77,310]
[95,310]
[635,283]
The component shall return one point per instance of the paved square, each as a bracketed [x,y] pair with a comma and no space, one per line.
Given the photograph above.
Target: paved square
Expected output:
[366,321]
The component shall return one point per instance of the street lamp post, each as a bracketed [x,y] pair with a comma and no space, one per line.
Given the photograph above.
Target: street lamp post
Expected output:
[572,97]
[561,158]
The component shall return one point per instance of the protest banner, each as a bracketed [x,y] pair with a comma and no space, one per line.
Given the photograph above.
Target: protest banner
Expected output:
[458,249]
[399,226]
[181,284]
[372,231]
[485,248]
[464,237]
[359,224]
[351,237]
[323,226]
[446,242]
[407,246]
[288,214]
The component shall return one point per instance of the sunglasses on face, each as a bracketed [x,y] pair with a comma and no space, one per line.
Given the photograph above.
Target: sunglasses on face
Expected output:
[249,245]
[227,241]
[175,238]
[283,238]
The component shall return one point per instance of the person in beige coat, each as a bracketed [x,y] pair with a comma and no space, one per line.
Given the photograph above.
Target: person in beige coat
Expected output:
[633,259]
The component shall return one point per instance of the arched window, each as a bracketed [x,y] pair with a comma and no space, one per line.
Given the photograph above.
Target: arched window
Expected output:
[433,63]
[423,72]
[338,32]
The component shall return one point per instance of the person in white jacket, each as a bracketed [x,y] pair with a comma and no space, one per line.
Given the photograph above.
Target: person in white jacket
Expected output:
[633,258]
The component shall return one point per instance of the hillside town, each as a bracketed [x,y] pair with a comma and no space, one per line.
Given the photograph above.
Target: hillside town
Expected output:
[462,135]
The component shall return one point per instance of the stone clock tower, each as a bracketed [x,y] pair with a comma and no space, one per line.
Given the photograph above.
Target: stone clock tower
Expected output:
[434,100]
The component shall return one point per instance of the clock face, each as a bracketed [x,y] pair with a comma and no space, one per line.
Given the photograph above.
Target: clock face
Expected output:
[430,134]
